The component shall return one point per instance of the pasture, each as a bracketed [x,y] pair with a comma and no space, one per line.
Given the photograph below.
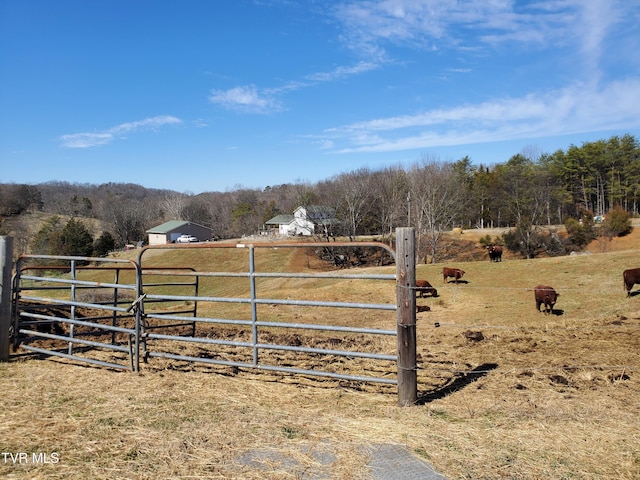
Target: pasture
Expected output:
[504,391]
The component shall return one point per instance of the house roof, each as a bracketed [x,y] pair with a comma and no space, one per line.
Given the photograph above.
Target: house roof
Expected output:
[318,214]
[317,211]
[280,220]
[172,225]
[320,209]
[327,221]
[322,215]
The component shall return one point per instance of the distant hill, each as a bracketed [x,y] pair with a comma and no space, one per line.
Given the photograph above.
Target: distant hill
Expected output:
[25,226]
[462,245]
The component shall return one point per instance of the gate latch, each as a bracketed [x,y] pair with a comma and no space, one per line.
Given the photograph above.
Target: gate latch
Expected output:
[136,302]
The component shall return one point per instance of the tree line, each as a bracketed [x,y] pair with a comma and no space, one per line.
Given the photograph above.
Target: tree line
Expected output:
[530,190]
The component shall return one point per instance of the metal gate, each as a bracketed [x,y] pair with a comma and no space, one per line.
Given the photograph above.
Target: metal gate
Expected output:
[255,347]
[117,313]
[81,308]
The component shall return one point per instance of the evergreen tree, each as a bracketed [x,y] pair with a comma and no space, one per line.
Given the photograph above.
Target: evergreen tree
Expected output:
[47,240]
[580,232]
[104,244]
[75,240]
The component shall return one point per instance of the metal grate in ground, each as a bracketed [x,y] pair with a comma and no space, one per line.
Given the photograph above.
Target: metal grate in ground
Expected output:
[395,462]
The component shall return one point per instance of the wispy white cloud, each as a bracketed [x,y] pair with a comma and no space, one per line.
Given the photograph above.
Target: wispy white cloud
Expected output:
[576,109]
[251,99]
[246,99]
[343,72]
[86,140]
[585,105]
[95,139]
[151,123]
[371,27]
[597,18]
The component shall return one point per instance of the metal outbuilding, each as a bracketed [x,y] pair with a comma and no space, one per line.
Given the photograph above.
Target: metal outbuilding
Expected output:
[169,231]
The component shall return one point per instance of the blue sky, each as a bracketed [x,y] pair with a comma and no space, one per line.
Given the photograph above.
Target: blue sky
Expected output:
[211,95]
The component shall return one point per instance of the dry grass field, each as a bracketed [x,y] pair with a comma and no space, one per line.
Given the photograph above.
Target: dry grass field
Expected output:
[504,391]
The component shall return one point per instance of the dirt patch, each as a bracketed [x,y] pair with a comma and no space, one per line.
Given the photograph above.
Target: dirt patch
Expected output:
[627,242]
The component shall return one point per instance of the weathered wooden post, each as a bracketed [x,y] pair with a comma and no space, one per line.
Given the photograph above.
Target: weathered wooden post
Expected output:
[6,267]
[406,316]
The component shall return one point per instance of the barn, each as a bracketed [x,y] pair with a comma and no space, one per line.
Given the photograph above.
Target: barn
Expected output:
[169,231]
[304,221]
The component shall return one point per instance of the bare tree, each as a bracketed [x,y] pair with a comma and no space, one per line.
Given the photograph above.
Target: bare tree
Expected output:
[389,192]
[355,199]
[304,194]
[23,232]
[436,200]
[532,153]
[527,191]
[129,219]
[197,210]
[173,205]
[220,206]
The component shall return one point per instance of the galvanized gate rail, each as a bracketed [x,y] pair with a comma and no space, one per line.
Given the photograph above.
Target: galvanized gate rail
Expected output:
[150,299]
[121,324]
[152,349]
[41,317]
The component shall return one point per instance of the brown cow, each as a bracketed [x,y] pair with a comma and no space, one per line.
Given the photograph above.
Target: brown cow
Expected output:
[545,295]
[422,308]
[631,277]
[495,253]
[422,287]
[454,273]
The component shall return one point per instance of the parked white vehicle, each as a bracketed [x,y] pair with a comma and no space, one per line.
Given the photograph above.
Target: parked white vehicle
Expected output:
[186,239]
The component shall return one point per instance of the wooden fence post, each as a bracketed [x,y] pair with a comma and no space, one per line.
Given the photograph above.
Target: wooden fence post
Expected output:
[6,268]
[406,316]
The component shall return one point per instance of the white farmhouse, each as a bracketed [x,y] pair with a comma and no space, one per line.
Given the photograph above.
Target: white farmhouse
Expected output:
[304,221]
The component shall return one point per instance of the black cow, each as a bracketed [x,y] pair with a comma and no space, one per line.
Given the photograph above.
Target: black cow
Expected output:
[495,253]
[631,277]
[545,295]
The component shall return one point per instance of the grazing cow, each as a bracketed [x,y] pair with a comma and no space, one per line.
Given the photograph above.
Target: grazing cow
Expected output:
[422,286]
[547,296]
[495,253]
[631,277]
[454,273]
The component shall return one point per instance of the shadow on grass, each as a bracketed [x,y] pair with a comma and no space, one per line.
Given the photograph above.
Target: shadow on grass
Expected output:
[458,382]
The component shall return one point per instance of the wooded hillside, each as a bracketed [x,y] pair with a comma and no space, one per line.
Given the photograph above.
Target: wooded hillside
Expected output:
[529,190]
